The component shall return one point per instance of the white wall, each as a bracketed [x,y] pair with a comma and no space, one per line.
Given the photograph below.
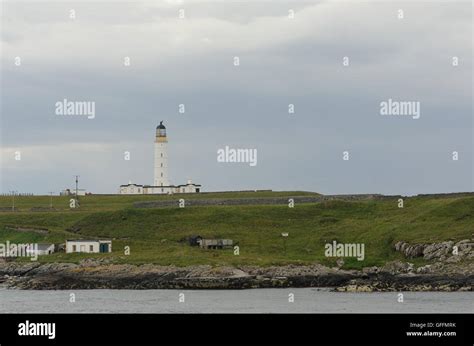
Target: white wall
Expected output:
[92,246]
[159,190]
[82,246]
[85,246]
[190,188]
[131,190]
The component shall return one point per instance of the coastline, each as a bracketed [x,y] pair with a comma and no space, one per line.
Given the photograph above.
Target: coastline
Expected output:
[394,276]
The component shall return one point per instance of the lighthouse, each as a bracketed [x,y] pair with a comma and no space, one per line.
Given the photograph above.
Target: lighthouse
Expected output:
[161,184]
[161,157]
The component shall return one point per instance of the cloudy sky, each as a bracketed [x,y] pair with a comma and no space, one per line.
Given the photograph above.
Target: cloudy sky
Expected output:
[283,61]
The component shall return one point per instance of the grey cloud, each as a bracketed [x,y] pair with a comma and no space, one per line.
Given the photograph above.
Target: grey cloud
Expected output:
[336,107]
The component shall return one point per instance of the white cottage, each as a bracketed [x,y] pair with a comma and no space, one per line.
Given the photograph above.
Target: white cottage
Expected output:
[88,246]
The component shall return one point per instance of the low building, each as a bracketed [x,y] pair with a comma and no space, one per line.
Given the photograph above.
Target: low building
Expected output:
[135,189]
[40,249]
[215,243]
[88,246]
[131,189]
[72,192]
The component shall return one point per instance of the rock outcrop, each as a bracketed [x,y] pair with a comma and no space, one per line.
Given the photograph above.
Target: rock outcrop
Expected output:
[445,251]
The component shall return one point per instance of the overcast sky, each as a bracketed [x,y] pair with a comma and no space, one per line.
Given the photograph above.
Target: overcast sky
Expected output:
[283,61]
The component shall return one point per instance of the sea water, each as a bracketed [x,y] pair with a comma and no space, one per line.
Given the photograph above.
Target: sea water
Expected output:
[291,300]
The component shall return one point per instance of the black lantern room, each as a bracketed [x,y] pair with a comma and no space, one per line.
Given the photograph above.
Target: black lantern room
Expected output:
[161,130]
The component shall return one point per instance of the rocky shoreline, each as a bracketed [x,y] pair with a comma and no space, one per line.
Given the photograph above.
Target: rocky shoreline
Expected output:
[450,268]
[394,276]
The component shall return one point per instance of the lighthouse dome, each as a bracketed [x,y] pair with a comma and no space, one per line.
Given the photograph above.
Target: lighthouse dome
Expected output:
[161,126]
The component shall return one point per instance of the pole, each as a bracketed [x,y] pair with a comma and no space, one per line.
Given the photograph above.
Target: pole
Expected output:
[13,200]
[77,182]
[51,200]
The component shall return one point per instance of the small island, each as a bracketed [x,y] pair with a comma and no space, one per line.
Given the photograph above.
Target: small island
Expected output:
[278,239]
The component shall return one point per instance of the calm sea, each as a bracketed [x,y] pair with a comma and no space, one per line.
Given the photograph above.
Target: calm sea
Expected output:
[306,300]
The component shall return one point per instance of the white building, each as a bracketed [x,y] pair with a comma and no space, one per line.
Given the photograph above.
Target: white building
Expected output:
[88,246]
[131,189]
[161,184]
[72,192]
[40,249]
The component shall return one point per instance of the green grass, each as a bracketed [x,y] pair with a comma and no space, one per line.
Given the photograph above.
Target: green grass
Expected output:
[154,235]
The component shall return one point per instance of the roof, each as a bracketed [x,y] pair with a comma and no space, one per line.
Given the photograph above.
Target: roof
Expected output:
[158,186]
[131,185]
[44,246]
[169,185]
[87,240]
[161,126]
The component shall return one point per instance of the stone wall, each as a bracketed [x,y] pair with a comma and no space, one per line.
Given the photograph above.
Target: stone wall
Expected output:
[447,195]
[257,201]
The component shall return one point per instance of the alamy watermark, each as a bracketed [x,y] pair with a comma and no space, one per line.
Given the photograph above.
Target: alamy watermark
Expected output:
[66,107]
[409,108]
[336,249]
[232,155]
[8,249]
[37,329]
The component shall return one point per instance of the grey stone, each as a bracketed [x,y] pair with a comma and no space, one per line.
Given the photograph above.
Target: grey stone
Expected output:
[437,250]
[424,269]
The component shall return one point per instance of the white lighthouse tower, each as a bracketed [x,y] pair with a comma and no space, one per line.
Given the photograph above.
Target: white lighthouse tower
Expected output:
[161,157]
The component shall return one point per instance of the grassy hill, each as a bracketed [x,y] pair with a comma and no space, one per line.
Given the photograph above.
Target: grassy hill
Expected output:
[155,235]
